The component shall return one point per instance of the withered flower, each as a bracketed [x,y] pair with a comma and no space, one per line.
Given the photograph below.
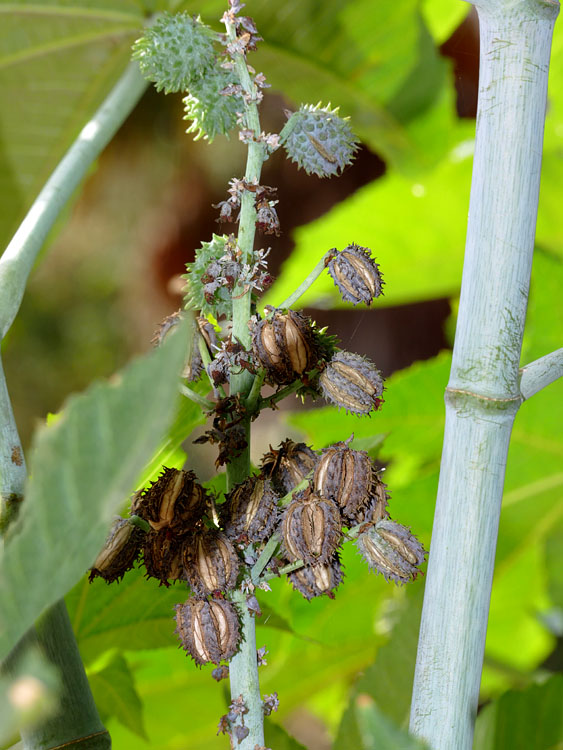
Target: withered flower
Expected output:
[210,562]
[311,528]
[119,552]
[287,466]
[391,549]
[250,510]
[208,630]
[356,275]
[352,382]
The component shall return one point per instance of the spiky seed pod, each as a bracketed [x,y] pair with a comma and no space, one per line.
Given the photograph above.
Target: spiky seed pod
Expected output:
[316,580]
[352,382]
[208,630]
[311,528]
[356,275]
[318,140]
[175,51]
[162,556]
[285,345]
[207,296]
[175,501]
[349,478]
[210,562]
[376,510]
[390,549]
[119,552]
[250,511]
[211,112]
[289,465]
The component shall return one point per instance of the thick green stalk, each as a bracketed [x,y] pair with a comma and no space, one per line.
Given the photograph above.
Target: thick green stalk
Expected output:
[243,669]
[483,394]
[13,471]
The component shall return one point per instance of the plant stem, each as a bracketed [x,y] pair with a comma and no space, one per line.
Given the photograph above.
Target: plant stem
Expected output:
[20,255]
[483,394]
[13,471]
[243,668]
[541,373]
[309,281]
[196,398]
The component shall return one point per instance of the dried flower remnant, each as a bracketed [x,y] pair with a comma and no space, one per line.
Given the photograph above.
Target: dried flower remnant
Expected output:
[119,552]
[352,382]
[390,549]
[208,630]
[356,275]
[311,528]
[210,562]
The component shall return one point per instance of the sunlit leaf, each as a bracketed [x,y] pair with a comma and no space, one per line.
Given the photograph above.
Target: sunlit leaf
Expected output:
[276,736]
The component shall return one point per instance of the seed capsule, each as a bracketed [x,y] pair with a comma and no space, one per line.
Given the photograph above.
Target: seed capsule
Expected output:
[316,580]
[210,562]
[285,346]
[390,549]
[174,501]
[119,552]
[250,511]
[349,478]
[162,556]
[356,275]
[311,528]
[289,465]
[352,382]
[208,630]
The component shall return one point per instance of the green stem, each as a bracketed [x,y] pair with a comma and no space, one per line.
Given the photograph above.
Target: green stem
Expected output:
[541,373]
[13,471]
[309,281]
[265,556]
[279,395]
[140,523]
[196,398]
[20,255]
[254,394]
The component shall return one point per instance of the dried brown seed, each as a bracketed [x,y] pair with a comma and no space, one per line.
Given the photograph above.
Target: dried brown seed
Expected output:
[284,345]
[356,275]
[316,580]
[250,510]
[208,630]
[162,556]
[390,549]
[174,501]
[289,465]
[349,478]
[210,562]
[311,528]
[119,552]
[352,382]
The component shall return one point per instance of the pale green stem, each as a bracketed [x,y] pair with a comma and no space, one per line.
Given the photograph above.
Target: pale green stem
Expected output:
[309,281]
[254,394]
[484,392]
[287,390]
[196,398]
[13,471]
[265,556]
[541,373]
[243,669]
[140,523]
[19,257]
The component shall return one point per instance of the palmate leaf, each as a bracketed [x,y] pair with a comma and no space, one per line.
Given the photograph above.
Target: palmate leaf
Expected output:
[82,468]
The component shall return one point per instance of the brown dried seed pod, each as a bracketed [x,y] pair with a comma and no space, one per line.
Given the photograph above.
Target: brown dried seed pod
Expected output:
[210,562]
[311,528]
[352,382]
[289,465]
[208,630]
[390,549]
[284,345]
[356,275]
[250,511]
[316,580]
[174,501]
[119,552]
[162,556]
[349,478]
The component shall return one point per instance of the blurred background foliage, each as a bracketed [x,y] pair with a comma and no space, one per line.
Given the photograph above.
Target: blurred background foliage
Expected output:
[406,73]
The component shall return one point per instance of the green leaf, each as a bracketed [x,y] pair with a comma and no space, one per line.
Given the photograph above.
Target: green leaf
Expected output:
[554,565]
[530,719]
[135,613]
[115,694]
[443,17]
[276,737]
[82,467]
[372,730]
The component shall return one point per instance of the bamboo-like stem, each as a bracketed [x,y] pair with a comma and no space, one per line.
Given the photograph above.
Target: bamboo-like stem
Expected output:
[13,471]
[541,373]
[483,393]
[20,255]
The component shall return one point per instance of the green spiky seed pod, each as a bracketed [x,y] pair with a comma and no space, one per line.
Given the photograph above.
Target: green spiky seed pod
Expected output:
[356,275]
[318,140]
[206,290]
[175,52]
[389,548]
[212,113]
[353,382]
